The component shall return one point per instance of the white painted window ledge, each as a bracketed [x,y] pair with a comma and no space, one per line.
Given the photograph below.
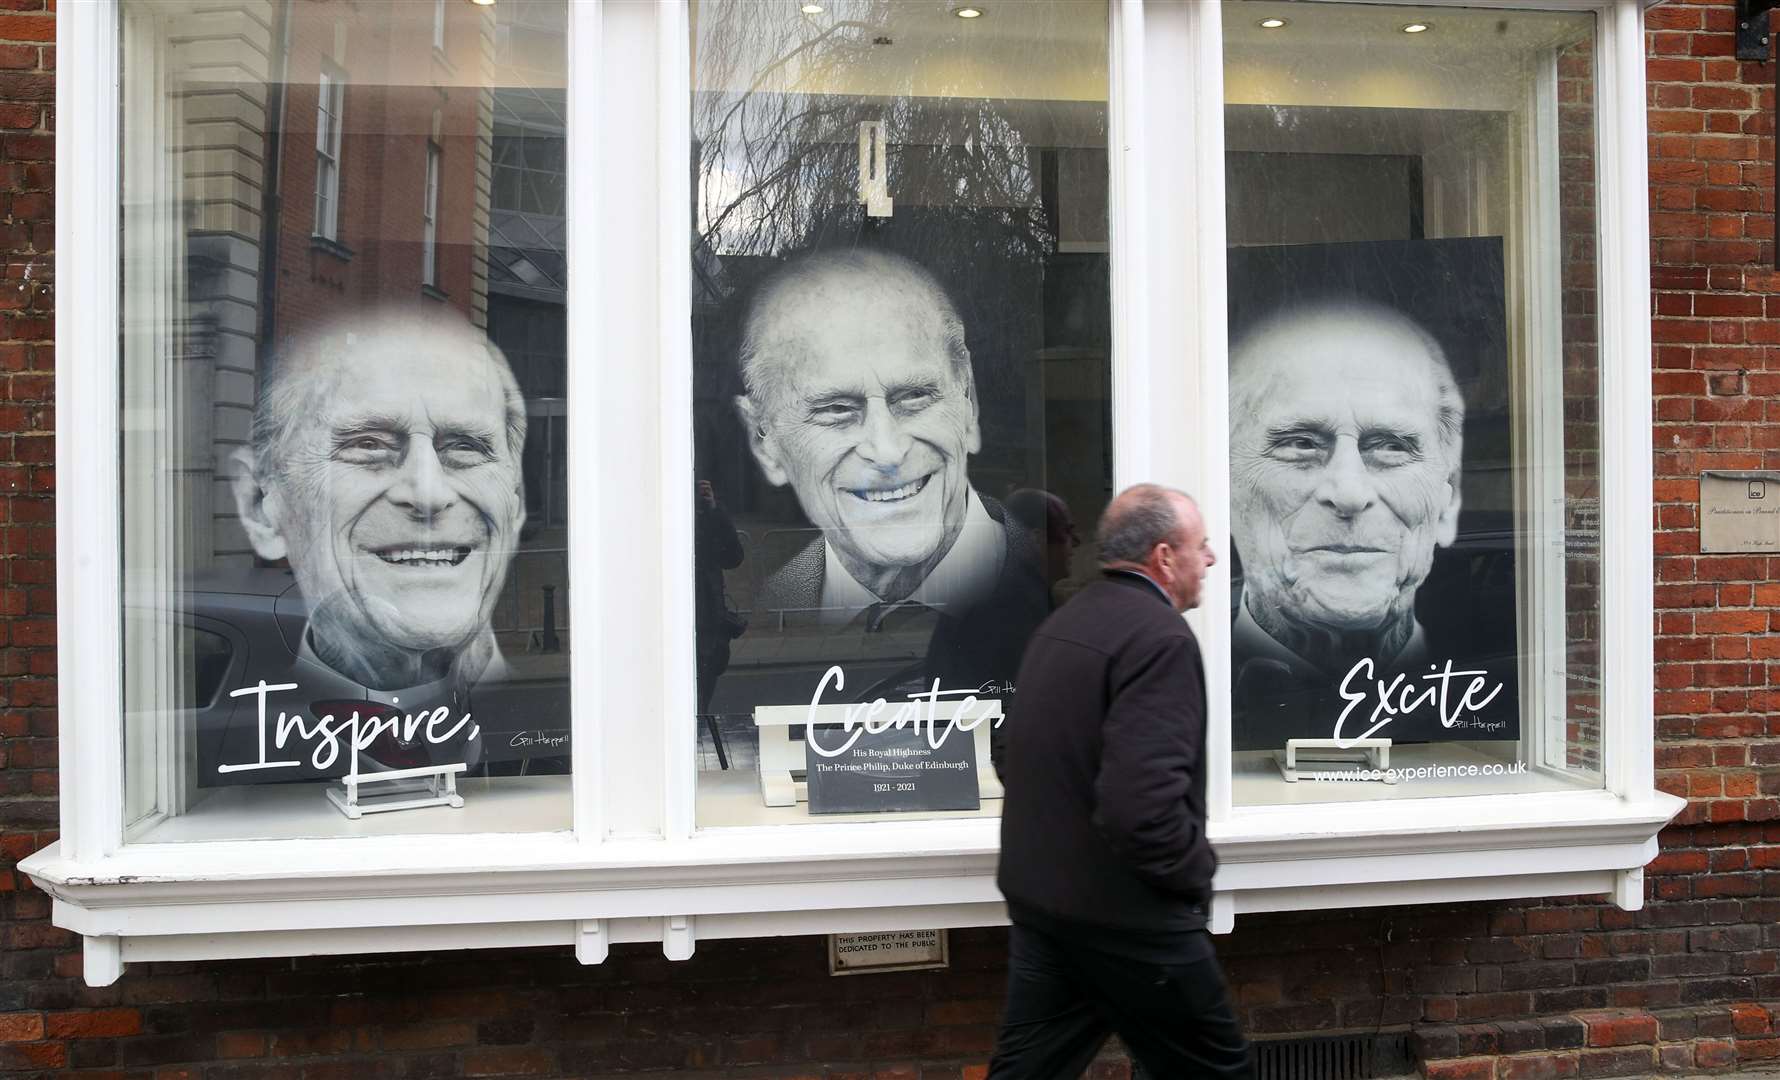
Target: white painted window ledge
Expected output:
[391,894]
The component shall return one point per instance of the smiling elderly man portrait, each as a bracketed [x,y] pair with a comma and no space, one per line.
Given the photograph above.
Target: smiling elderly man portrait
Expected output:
[1345,448]
[385,466]
[859,395]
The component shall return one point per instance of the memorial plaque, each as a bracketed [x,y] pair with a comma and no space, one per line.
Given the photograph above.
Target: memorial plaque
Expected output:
[895,770]
[886,950]
[1740,512]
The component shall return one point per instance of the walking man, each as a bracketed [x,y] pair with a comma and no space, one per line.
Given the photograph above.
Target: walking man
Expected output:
[1104,859]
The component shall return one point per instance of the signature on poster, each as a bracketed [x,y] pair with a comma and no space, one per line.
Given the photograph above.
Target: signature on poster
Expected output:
[917,713]
[1403,697]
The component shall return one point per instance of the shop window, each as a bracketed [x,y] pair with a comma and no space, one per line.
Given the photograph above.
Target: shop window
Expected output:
[901,348]
[346,578]
[1414,400]
[846,454]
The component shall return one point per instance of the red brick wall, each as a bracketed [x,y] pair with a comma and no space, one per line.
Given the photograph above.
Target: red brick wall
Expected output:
[1717,380]
[1465,976]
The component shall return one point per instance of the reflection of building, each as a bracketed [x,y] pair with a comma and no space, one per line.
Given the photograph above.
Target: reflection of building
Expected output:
[335,156]
[340,156]
[527,314]
[381,176]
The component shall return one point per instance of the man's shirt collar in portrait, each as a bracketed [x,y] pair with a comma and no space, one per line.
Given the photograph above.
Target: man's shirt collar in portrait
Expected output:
[964,576]
[495,670]
[1248,641]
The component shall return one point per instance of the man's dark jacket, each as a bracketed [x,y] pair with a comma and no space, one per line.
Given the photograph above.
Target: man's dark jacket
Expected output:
[1104,819]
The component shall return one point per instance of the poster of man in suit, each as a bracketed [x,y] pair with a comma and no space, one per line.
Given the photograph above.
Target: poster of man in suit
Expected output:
[1371,494]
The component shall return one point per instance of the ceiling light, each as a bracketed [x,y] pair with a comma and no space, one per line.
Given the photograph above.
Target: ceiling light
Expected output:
[968,12]
[1272,24]
[483,3]
[1417,28]
[812,9]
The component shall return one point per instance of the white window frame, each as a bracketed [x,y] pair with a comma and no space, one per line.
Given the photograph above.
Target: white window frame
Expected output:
[330,109]
[429,217]
[635,866]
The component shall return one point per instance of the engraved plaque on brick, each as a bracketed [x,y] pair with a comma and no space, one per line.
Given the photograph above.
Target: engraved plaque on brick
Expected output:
[1740,511]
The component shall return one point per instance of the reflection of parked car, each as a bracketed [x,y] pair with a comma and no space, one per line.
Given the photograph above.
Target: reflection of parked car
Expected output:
[245,627]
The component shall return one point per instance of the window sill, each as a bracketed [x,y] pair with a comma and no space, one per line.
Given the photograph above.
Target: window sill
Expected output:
[384,894]
[330,247]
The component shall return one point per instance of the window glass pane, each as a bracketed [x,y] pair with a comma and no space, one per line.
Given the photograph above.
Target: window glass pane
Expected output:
[1414,400]
[901,331]
[344,487]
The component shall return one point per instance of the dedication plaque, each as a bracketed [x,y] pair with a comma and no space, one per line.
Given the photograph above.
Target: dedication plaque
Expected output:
[887,950]
[896,770]
[1740,512]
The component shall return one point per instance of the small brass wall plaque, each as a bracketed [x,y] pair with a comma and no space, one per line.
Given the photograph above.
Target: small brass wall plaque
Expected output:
[1740,512]
[889,950]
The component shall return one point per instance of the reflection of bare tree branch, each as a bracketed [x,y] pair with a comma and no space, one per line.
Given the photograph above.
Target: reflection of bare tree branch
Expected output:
[776,165]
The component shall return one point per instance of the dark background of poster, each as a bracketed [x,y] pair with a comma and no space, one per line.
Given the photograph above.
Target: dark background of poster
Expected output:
[1455,289]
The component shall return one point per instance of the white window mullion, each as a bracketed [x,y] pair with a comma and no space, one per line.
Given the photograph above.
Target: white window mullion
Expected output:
[88,555]
[1210,355]
[584,187]
[679,700]
[1627,557]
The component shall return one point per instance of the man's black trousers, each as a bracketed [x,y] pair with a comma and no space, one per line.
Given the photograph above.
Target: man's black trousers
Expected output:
[1066,992]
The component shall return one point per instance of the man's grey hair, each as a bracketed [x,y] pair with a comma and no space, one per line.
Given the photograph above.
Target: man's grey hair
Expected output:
[1139,518]
[1450,403]
[282,404]
[877,270]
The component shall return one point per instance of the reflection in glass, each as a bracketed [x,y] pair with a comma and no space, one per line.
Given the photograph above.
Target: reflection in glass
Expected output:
[344,542]
[1412,394]
[901,342]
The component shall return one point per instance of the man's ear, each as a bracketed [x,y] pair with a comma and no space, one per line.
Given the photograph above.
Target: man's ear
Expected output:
[259,508]
[973,435]
[765,450]
[1446,528]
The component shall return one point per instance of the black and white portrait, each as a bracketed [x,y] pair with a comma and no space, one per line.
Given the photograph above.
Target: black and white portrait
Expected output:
[859,396]
[384,470]
[1354,446]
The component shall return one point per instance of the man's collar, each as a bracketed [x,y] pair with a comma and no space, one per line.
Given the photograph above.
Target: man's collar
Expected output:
[966,574]
[1143,577]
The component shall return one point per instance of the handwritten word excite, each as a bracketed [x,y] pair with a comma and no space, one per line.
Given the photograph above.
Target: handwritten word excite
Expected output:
[1401,696]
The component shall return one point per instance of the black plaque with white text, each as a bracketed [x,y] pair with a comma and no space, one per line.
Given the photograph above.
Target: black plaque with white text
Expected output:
[895,770]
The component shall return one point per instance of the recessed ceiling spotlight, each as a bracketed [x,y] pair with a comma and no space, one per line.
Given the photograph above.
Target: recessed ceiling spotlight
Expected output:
[1272,24]
[483,3]
[968,12]
[812,9]
[1417,28]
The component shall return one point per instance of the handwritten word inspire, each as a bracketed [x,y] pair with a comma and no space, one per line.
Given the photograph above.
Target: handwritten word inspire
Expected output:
[326,732]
